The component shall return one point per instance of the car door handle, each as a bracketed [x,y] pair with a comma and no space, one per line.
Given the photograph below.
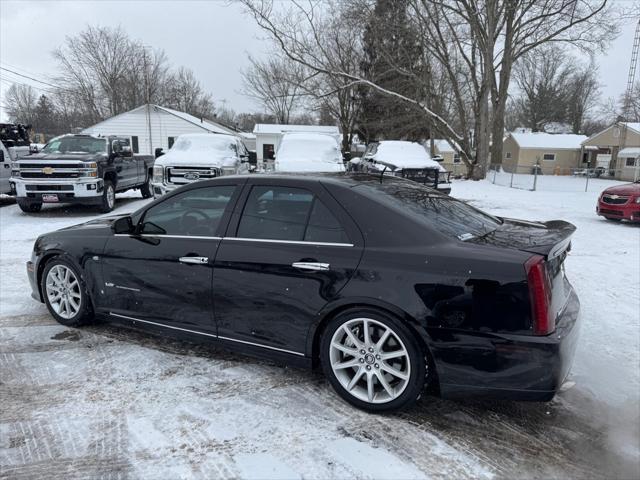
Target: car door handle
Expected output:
[194,260]
[313,266]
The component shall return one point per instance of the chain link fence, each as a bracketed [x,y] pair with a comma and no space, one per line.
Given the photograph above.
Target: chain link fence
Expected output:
[537,177]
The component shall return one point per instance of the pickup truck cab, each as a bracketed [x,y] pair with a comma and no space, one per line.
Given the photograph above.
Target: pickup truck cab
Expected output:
[199,156]
[408,160]
[81,169]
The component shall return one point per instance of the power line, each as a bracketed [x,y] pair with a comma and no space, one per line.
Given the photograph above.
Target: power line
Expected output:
[30,78]
[12,80]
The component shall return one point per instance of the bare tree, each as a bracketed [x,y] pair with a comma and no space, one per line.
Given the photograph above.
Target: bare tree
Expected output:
[276,84]
[182,91]
[21,102]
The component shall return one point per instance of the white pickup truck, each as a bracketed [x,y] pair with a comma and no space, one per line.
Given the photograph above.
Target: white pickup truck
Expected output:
[199,156]
[14,143]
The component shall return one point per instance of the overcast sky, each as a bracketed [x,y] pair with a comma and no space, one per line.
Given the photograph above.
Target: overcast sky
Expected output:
[212,38]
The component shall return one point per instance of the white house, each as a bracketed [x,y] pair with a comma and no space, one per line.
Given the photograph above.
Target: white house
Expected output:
[153,126]
[268,135]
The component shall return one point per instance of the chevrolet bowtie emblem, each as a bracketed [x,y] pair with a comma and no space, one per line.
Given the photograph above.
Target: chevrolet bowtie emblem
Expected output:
[47,170]
[613,196]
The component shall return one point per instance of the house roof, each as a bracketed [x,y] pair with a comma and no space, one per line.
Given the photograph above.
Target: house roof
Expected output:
[550,141]
[443,146]
[276,128]
[629,152]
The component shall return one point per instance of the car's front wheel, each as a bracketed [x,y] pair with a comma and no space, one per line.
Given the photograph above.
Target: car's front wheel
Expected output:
[373,360]
[28,207]
[65,294]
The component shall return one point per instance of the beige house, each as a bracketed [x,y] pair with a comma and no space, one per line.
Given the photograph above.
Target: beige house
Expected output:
[616,148]
[450,159]
[557,154]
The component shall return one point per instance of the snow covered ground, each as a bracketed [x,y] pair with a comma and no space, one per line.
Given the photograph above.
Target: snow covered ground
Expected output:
[114,403]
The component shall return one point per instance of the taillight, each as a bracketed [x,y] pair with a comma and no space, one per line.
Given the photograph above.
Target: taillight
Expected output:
[540,294]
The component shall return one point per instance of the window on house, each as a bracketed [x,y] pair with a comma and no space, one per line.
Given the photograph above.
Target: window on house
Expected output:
[134,145]
[549,157]
[630,162]
[456,158]
[507,155]
[170,141]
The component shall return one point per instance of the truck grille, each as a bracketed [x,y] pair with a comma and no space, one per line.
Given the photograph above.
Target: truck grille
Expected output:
[185,175]
[50,170]
[615,199]
[41,174]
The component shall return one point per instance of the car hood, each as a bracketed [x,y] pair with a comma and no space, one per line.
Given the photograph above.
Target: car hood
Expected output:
[76,157]
[195,158]
[625,189]
[543,238]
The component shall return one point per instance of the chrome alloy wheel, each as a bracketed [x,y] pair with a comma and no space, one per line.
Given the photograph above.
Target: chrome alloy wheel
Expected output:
[369,360]
[111,196]
[63,291]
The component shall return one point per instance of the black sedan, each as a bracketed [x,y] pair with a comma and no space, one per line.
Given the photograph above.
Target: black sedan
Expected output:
[385,283]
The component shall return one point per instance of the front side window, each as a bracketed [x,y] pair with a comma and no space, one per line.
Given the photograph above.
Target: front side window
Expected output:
[76,145]
[195,212]
[292,214]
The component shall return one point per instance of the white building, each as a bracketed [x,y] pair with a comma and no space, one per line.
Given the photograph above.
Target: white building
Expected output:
[154,126]
[268,135]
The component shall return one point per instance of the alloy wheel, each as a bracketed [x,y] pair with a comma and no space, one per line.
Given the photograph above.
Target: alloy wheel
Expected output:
[63,291]
[370,360]
[111,197]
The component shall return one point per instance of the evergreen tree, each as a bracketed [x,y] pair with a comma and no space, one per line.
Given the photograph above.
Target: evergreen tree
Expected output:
[393,59]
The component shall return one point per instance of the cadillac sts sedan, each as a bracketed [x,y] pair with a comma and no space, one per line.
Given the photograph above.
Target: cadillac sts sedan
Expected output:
[387,285]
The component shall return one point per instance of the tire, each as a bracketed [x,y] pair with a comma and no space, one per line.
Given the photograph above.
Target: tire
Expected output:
[65,293]
[108,197]
[28,207]
[146,190]
[380,386]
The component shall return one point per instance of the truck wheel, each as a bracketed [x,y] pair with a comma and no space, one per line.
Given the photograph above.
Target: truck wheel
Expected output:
[146,190]
[108,197]
[29,207]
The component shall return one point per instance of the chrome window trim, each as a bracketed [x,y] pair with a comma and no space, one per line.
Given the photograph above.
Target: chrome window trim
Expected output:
[206,334]
[290,242]
[239,239]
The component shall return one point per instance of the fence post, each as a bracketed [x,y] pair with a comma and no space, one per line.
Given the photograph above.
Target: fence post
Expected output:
[586,186]
[494,174]
[511,183]
[535,176]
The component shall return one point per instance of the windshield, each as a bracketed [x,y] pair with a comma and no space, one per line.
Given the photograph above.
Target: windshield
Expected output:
[76,145]
[447,215]
[217,143]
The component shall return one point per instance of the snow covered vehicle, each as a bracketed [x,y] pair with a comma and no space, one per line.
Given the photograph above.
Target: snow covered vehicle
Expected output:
[309,152]
[14,143]
[408,160]
[81,169]
[199,156]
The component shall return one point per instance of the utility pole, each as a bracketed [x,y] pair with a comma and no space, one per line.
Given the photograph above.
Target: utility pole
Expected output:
[147,95]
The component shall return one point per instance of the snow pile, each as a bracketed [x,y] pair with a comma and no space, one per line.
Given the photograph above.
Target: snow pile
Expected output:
[308,152]
[399,154]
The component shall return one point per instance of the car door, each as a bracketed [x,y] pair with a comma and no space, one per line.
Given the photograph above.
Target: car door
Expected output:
[125,165]
[5,170]
[162,273]
[288,251]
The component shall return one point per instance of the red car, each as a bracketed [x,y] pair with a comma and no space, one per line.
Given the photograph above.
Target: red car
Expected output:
[621,202]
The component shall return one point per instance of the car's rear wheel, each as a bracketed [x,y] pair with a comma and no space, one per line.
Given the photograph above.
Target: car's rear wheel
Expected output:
[373,360]
[29,207]
[146,189]
[65,294]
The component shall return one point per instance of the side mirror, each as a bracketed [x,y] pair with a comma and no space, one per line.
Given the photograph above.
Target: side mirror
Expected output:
[123,225]
[126,151]
[437,158]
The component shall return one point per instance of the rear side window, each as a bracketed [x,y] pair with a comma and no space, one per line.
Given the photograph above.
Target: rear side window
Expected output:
[293,214]
[445,214]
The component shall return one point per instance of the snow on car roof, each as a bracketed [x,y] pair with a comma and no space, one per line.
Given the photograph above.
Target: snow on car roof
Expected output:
[309,152]
[554,141]
[403,154]
[276,128]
